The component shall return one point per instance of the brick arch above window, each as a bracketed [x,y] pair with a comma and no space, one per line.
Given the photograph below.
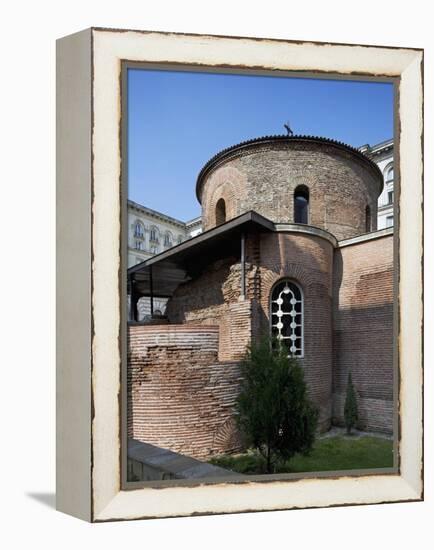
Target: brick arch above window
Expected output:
[228,183]
[223,195]
[274,272]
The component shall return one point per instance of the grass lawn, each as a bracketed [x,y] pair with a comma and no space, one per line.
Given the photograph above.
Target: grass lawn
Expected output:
[329,453]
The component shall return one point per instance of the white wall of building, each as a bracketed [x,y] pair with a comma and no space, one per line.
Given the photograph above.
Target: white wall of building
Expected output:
[151,232]
[382,155]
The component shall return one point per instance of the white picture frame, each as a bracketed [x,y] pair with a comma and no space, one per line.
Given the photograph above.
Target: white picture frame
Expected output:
[89,323]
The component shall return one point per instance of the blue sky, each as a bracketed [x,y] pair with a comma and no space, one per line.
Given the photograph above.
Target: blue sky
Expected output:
[178,120]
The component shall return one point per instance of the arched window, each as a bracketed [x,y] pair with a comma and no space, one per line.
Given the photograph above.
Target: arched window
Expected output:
[301,204]
[168,240]
[368,223]
[286,316]
[153,235]
[138,230]
[389,174]
[220,212]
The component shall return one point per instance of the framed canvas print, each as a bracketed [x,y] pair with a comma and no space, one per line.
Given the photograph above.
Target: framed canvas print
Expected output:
[239,265]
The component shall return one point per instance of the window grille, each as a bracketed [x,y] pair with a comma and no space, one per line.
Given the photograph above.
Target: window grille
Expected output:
[286,316]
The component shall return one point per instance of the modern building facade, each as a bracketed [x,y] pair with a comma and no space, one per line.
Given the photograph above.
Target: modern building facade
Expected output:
[290,249]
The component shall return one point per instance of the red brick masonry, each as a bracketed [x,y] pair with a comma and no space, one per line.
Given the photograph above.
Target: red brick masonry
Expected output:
[183,378]
[363,331]
[180,396]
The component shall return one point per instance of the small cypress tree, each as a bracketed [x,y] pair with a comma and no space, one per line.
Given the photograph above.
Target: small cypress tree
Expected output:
[275,414]
[350,409]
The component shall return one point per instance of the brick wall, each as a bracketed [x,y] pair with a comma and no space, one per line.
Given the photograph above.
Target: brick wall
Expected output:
[184,378]
[263,178]
[180,397]
[214,298]
[228,183]
[308,260]
[363,331]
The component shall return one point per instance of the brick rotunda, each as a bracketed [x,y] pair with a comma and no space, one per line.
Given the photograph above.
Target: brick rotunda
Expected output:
[290,248]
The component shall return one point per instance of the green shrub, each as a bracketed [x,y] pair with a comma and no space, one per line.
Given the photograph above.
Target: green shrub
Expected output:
[350,409]
[274,412]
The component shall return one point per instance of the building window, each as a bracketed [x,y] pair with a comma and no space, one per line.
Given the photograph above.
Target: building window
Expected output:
[389,174]
[139,245]
[368,223]
[389,221]
[286,316]
[139,230]
[220,212]
[301,204]
[154,249]
[168,239]
[390,197]
[153,235]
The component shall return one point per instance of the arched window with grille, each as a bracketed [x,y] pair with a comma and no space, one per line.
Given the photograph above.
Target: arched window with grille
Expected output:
[301,204]
[286,316]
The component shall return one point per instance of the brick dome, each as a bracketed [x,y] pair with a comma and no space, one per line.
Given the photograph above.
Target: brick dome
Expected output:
[340,184]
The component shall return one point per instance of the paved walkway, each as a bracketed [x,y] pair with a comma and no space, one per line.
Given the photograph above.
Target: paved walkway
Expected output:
[177,466]
[336,431]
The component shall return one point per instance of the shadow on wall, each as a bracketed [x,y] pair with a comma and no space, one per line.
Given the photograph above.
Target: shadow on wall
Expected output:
[363,343]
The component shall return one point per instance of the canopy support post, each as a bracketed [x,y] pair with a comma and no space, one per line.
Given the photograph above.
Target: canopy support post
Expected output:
[151,290]
[133,299]
[243,266]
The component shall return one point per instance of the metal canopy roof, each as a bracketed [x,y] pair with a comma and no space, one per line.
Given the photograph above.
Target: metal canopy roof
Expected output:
[161,274]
